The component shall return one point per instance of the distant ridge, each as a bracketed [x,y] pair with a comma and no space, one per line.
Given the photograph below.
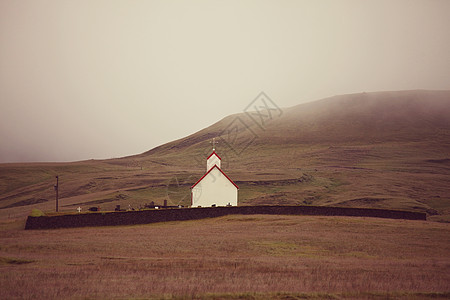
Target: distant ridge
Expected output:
[363,117]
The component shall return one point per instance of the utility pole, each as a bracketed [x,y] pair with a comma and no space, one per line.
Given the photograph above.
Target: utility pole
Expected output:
[56,190]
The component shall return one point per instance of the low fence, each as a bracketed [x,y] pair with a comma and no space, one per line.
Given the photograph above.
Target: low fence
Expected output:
[183,214]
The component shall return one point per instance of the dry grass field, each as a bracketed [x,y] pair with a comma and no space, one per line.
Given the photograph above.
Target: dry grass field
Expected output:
[233,257]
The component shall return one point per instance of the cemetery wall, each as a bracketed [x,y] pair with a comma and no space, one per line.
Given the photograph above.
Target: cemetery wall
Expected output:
[183,214]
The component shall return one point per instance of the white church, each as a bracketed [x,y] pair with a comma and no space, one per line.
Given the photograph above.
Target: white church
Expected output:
[215,188]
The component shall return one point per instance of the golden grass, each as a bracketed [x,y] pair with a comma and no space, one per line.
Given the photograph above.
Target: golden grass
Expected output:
[233,257]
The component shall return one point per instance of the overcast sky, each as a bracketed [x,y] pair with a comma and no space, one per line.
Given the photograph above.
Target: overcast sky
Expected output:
[101,79]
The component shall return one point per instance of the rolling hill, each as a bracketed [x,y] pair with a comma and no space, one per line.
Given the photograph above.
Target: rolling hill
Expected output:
[381,150]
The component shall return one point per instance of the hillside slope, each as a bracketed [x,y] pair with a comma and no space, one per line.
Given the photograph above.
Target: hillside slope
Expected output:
[364,117]
[368,117]
[383,150]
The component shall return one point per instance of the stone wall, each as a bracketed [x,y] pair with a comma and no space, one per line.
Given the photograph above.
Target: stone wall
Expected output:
[182,214]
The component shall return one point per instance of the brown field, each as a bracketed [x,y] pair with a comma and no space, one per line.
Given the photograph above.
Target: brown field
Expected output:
[233,257]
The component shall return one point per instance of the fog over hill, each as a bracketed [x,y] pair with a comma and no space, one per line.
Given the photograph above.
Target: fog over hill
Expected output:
[381,150]
[367,117]
[363,117]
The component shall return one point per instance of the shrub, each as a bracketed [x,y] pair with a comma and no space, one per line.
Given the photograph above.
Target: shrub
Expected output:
[37,213]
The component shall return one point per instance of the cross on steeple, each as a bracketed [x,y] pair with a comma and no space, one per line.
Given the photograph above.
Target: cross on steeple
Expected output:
[213,142]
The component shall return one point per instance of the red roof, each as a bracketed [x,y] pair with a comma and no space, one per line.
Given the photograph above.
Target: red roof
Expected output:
[214,152]
[215,166]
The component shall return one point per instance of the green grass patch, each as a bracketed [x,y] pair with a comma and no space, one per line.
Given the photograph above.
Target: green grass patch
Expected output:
[282,248]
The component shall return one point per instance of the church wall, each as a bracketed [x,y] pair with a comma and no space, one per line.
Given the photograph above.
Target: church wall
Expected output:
[216,189]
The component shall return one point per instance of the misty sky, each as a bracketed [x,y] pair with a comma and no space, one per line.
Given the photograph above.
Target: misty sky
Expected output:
[102,79]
